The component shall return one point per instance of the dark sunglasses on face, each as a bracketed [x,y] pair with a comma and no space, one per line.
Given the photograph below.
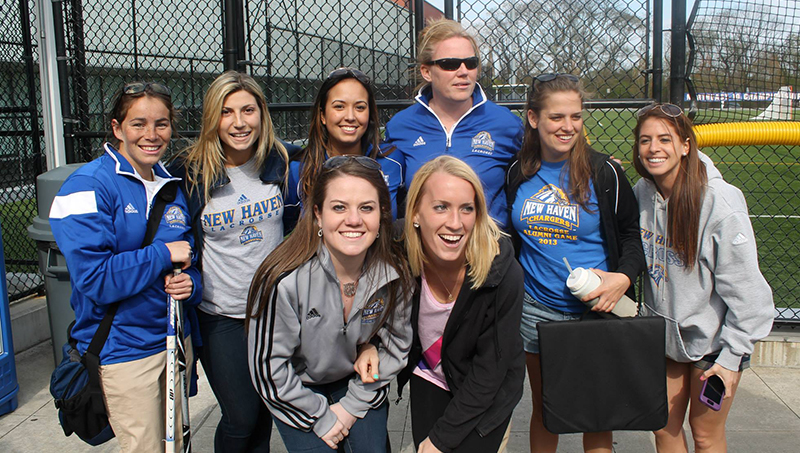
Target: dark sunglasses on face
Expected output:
[671,110]
[141,87]
[452,64]
[337,161]
[358,75]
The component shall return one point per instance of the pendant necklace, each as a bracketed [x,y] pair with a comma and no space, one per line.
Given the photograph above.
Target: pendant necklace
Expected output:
[349,289]
[450,297]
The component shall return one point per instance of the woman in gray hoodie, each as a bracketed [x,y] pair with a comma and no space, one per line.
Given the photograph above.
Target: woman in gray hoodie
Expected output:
[703,274]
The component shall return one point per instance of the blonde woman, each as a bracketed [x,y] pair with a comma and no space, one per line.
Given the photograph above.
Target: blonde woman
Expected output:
[234,177]
[453,116]
[466,365]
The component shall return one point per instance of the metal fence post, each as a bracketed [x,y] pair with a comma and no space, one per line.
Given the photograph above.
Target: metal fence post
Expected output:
[31,76]
[448,9]
[677,72]
[63,81]
[658,50]
[233,38]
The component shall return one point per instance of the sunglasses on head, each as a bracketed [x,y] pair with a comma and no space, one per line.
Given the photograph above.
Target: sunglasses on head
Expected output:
[337,161]
[141,87]
[452,64]
[671,110]
[355,73]
[550,76]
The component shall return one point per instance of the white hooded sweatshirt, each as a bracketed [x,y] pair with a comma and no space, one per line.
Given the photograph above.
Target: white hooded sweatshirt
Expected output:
[721,305]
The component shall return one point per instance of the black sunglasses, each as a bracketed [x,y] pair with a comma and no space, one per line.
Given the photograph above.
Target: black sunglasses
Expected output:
[355,73]
[141,87]
[542,78]
[337,161]
[671,110]
[452,64]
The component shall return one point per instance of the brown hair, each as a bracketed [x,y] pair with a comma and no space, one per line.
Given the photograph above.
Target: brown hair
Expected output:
[530,156]
[205,159]
[314,154]
[121,103]
[436,31]
[302,244]
[683,213]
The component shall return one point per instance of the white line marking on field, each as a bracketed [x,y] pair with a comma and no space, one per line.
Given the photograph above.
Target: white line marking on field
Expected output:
[777,216]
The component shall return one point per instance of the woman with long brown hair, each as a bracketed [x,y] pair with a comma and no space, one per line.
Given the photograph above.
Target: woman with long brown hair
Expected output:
[344,122]
[703,274]
[338,281]
[567,200]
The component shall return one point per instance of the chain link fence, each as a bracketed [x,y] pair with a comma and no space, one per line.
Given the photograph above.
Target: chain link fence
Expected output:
[291,45]
[21,143]
[744,65]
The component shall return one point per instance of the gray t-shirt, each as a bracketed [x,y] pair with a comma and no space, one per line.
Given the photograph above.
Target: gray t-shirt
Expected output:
[242,224]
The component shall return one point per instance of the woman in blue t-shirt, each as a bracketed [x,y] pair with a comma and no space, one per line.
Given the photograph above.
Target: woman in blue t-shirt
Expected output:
[567,200]
[344,121]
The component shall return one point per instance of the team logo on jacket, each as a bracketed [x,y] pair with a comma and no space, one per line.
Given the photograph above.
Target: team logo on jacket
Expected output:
[175,217]
[372,311]
[483,143]
[550,206]
[657,273]
[250,234]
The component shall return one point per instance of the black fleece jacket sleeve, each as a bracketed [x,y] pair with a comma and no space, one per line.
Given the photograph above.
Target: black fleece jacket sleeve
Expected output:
[631,260]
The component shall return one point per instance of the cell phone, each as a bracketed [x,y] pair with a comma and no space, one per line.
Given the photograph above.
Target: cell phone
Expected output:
[712,393]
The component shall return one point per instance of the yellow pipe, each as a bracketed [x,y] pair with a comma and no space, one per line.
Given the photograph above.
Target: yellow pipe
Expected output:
[750,133]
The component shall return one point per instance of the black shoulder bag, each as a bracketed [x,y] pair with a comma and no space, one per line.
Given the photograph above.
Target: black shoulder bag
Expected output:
[75,383]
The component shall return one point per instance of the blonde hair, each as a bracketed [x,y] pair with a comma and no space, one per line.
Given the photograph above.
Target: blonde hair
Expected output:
[436,31]
[205,159]
[483,244]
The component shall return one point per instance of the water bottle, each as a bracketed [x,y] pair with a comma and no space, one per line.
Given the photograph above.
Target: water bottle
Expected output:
[583,281]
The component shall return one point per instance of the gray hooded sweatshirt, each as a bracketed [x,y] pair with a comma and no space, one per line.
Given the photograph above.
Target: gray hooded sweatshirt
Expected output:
[301,339]
[721,305]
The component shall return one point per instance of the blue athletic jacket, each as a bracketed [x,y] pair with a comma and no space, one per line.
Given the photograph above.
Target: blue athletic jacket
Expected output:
[99,219]
[487,137]
[392,167]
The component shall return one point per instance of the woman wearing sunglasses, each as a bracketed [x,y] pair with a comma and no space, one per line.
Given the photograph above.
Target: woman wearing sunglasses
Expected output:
[344,121]
[703,274]
[453,116]
[99,219]
[234,176]
[567,200]
[338,281]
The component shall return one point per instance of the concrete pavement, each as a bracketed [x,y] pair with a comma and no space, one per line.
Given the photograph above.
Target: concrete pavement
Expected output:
[765,416]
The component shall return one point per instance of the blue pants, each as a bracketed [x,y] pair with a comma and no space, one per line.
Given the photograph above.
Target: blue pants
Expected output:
[246,422]
[368,435]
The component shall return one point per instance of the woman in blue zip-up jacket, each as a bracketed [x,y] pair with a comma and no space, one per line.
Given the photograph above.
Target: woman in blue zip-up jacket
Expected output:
[99,219]
[344,121]
[453,116]
[234,175]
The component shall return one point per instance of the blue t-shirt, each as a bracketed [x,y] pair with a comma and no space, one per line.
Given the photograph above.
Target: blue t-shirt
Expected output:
[553,227]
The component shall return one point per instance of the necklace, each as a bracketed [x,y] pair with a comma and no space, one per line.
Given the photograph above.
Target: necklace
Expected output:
[450,297]
[349,289]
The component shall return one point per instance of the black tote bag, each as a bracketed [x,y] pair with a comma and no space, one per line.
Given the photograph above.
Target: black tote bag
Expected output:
[603,375]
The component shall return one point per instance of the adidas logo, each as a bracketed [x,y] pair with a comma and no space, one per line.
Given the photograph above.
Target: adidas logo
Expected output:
[312,314]
[243,199]
[130,209]
[419,141]
[739,239]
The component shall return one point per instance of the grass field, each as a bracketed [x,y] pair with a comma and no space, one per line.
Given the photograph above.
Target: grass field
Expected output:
[769,177]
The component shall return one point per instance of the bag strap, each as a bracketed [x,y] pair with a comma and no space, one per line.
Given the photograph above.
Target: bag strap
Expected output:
[91,359]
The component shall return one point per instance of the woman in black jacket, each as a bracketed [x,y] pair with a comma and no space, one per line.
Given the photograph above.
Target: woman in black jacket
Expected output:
[567,200]
[466,364]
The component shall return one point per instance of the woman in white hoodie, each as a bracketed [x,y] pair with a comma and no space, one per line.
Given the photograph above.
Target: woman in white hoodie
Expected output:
[703,274]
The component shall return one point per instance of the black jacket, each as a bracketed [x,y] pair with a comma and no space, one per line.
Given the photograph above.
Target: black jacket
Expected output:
[273,171]
[482,356]
[619,214]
